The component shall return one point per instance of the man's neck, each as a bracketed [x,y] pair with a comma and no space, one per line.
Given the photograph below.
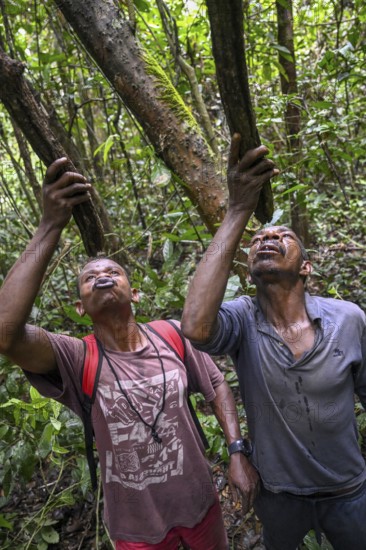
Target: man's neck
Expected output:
[120,334]
[285,310]
[282,306]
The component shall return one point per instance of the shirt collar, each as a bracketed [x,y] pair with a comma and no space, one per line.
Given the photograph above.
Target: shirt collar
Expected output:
[311,304]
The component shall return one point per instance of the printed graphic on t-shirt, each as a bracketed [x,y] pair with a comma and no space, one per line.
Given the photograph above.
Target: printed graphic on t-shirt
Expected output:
[137,460]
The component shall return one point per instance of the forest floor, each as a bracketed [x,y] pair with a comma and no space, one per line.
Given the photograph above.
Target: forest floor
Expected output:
[77,524]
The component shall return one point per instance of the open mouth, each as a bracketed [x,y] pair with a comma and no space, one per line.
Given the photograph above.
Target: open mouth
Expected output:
[270,248]
[104,282]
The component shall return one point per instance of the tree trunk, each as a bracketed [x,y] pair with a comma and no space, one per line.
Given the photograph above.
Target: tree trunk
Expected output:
[20,102]
[299,220]
[227,30]
[150,96]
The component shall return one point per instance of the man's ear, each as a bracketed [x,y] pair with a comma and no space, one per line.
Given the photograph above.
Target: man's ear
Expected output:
[306,268]
[80,308]
[135,297]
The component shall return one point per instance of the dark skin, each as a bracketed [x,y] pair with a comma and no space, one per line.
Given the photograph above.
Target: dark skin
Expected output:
[246,177]
[275,262]
[110,306]
[26,345]
[275,266]
[105,295]
[277,269]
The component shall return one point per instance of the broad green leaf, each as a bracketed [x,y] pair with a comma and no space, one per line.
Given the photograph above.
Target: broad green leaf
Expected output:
[74,316]
[232,288]
[67,498]
[45,442]
[5,523]
[56,423]
[167,249]
[7,479]
[294,188]
[24,460]
[50,535]
[3,431]
[277,214]
[60,450]
[35,395]
[142,5]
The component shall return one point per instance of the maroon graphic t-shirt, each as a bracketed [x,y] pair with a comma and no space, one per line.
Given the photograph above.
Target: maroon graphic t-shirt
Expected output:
[149,487]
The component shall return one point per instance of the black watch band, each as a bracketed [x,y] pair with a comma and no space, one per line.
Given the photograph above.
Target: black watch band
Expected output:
[240,446]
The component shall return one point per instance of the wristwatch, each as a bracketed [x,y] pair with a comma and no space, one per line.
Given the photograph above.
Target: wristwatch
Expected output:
[240,446]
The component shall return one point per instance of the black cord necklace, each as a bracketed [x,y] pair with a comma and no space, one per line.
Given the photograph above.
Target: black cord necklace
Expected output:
[152,427]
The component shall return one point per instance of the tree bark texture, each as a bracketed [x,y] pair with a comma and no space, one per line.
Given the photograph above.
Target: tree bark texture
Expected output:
[285,37]
[110,40]
[19,100]
[227,31]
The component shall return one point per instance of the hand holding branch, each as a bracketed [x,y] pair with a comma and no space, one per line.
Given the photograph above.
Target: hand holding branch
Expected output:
[247,175]
[62,190]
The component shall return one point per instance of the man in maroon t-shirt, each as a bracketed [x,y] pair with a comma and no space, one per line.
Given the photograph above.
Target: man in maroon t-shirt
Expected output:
[157,483]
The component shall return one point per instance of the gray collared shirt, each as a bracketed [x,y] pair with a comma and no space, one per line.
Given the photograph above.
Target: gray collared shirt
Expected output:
[300,413]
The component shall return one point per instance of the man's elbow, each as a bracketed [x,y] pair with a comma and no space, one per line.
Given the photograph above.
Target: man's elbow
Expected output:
[196,331]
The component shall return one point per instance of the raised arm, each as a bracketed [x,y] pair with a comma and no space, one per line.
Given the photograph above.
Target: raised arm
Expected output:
[246,177]
[26,345]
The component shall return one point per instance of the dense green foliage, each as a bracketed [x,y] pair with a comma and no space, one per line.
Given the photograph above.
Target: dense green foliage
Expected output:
[161,232]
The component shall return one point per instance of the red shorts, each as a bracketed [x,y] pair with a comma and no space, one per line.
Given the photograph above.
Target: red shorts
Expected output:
[209,534]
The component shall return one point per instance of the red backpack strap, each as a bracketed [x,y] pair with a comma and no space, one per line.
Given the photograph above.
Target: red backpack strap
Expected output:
[91,368]
[90,376]
[171,334]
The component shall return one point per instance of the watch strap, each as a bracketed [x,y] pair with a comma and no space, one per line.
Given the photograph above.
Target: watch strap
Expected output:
[240,446]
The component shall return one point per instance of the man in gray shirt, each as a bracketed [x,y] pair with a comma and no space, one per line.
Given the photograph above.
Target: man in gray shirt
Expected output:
[300,359]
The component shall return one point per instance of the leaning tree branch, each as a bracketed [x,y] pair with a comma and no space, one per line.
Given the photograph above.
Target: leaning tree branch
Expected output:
[19,100]
[227,30]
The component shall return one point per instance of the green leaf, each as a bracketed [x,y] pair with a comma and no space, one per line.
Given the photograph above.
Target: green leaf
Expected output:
[50,535]
[142,5]
[3,431]
[74,316]
[5,523]
[7,478]
[167,249]
[322,104]
[45,443]
[24,460]
[60,450]
[67,498]
[277,214]
[34,394]
[294,188]
[281,48]
[232,288]
[108,145]
[56,423]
